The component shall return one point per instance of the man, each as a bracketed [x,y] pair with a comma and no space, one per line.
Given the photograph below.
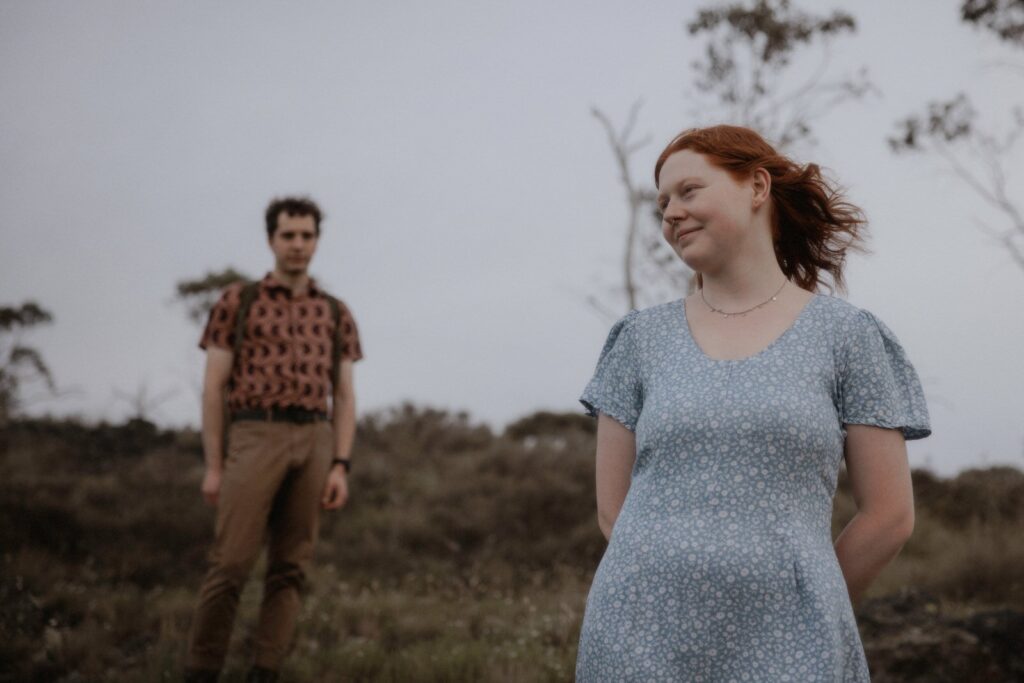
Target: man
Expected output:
[276,351]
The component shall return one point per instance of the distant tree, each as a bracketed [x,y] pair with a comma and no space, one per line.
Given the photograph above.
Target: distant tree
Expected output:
[980,157]
[142,402]
[199,295]
[1005,18]
[547,423]
[649,267]
[20,365]
[746,78]
[746,70]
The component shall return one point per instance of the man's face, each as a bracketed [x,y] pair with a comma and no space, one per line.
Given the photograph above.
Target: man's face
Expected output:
[293,243]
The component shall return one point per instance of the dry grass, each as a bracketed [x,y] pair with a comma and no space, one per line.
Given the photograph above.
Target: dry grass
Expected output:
[463,555]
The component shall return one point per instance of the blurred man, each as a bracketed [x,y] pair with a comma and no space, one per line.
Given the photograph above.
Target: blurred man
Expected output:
[278,351]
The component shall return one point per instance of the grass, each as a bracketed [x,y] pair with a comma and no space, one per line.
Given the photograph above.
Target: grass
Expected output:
[462,556]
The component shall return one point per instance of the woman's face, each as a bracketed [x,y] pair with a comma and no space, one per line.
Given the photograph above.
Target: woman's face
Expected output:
[706,213]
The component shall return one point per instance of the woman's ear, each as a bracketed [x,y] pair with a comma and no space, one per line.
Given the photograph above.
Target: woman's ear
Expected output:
[761,183]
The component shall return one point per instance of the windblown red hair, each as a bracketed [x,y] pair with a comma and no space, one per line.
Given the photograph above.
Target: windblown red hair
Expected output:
[813,225]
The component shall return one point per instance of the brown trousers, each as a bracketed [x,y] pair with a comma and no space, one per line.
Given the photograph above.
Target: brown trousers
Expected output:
[274,477]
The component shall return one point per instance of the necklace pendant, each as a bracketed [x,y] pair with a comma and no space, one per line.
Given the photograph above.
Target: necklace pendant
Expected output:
[774,297]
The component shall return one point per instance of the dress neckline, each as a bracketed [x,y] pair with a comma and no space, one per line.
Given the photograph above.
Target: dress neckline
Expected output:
[688,333]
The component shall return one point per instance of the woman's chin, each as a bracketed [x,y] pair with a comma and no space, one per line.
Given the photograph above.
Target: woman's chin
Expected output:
[692,258]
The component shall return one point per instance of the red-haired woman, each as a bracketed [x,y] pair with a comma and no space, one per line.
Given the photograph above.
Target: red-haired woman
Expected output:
[723,419]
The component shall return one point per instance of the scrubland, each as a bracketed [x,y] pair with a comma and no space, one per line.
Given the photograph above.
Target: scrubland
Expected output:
[463,555]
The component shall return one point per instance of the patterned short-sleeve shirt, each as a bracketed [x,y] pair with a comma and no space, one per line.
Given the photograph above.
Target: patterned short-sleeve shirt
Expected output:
[285,357]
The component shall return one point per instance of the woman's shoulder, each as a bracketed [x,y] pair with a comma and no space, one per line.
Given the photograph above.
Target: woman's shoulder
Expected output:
[846,319]
[846,316]
[645,317]
[659,312]
[836,308]
[645,324]
[853,329]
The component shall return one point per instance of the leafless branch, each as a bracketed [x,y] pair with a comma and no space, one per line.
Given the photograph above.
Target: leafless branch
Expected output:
[142,404]
[623,148]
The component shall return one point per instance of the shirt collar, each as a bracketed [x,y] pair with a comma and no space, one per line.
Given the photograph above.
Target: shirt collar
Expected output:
[270,283]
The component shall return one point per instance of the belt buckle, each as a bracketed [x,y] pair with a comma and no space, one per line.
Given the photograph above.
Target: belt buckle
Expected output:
[294,414]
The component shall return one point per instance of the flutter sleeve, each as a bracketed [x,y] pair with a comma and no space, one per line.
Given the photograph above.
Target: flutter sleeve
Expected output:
[616,389]
[877,384]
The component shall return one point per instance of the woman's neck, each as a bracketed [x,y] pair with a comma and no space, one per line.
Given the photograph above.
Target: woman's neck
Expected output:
[741,285]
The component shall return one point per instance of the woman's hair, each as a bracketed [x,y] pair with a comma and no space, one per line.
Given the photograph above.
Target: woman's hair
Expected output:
[812,223]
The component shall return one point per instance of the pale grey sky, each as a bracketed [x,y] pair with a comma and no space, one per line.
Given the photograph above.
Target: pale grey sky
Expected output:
[472,200]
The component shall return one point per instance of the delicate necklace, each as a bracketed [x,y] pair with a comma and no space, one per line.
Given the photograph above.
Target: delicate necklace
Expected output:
[722,313]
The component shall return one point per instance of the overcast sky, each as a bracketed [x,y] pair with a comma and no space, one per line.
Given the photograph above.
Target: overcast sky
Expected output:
[472,199]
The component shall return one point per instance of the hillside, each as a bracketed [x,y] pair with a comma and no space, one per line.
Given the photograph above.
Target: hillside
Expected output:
[463,555]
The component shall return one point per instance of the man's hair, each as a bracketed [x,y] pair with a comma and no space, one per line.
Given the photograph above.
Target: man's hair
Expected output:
[293,206]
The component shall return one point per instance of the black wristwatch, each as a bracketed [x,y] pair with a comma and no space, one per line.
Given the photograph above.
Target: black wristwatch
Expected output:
[344,462]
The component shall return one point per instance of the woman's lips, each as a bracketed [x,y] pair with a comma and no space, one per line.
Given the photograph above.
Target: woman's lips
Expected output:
[683,233]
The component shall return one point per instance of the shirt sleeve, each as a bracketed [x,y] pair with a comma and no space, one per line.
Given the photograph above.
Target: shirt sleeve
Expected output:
[348,335]
[877,383]
[220,326]
[616,388]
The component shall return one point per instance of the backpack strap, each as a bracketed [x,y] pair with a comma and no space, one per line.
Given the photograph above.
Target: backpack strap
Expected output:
[245,299]
[335,342]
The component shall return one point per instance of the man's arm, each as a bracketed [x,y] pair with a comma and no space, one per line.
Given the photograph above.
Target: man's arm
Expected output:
[219,362]
[344,420]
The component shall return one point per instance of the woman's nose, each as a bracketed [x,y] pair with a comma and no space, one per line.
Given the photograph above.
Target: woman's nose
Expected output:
[674,211]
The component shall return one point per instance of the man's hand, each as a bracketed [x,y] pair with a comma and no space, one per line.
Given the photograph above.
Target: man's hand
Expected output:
[211,486]
[336,490]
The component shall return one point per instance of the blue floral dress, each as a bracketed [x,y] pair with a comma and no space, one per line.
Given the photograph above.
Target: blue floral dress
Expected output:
[721,567]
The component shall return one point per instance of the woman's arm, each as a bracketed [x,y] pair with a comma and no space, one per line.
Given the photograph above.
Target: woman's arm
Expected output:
[876,463]
[616,452]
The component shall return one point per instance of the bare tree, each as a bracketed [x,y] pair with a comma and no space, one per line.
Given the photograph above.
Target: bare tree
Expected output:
[20,364]
[646,258]
[143,404]
[1005,18]
[980,157]
[750,49]
[748,62]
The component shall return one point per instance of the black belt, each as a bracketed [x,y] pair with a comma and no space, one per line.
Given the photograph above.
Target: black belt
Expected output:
[289,414]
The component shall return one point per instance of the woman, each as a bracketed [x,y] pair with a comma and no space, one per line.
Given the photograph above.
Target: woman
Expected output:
[723,419]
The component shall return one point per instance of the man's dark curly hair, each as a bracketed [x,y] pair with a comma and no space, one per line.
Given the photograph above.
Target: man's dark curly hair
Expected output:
[293,206]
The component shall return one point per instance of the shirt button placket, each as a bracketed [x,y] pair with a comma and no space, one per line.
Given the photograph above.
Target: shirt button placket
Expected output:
[293,343]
